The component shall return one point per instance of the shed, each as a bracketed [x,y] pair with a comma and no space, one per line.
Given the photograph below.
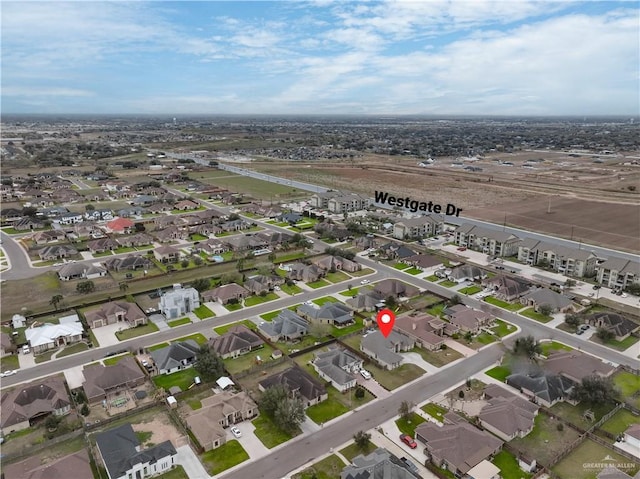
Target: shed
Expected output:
[172,402]
[224,382]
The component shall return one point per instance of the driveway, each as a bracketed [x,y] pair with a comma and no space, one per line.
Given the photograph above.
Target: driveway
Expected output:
[415,358]
[192,465]
[462,349]
[160,321]
[217,308]
[249,441]
[106,335]
[373,387]
[74,377]
[26,360]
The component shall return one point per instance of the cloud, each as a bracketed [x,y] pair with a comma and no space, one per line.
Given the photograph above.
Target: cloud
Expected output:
[45,91]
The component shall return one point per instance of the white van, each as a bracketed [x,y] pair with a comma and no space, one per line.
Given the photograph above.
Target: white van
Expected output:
[26,349]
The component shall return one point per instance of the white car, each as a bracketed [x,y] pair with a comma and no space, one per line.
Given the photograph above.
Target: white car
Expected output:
[235,431]
[364,281]
[365,374]
[9,373]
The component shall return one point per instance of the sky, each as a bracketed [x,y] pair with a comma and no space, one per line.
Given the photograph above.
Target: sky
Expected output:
[429,57]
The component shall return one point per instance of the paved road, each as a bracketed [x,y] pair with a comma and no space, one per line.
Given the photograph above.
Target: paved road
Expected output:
[20,266]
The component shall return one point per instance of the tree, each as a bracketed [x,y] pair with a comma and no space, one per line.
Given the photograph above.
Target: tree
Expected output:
[545,309]
[271,397]
[89,207]
[51,422]
[390,302]
[286,411]
[527,346]
[123,287]
[209,364]
[56,299]
[461,394]
[272,257]
[405,410]
[604,335]
[139,227]
[362,439]
[595,390]
[201,284]
[573,320]
[359,394]
[184,263]
[468,336]
[455,299]
[240,264]
[197,260]
[85,287]
[570,283]
[84,410]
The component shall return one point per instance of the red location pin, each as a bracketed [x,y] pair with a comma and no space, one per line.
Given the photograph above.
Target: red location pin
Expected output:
[385,319]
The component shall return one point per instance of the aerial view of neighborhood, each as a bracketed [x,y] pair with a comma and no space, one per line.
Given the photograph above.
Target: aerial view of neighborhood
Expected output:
[340,295]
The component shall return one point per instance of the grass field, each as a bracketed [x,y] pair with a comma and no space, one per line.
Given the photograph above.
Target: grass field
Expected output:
[447,284]
[326,410]
[291,290]
[202,312]
[435,411]
[115,359]
[469,290]
[339,332]
[232,307]
[178,322]
[155,347]
[397,377]
[588,451]
[413,271]
[531,314]
[176,473]
[337,277]
[222,458]
[245,361]
[550,347]
[409,427]
[575,414]
[503,304]
[137,331]
[620,421]
[318,284]
[269,434]
[9,363]
[329,468]
[197,337]
[401,266]
[508,465]
[350,293]
[352,450]
[438,358]
[183,379]
[255,300]
[223,329]
[270,316]
[545,440]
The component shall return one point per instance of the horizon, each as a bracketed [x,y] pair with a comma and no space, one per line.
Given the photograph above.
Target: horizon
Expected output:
[432,58]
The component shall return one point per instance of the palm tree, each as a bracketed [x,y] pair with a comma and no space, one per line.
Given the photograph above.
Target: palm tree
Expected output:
[56,299]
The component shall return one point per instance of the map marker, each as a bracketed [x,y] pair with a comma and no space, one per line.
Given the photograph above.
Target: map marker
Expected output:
[385,319]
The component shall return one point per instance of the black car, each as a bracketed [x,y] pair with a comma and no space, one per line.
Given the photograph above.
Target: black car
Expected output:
[596,286]
[411,466]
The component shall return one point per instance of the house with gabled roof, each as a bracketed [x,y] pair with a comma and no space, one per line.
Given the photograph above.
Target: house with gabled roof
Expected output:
[51,336]
[49,253]
[542,387]
[507,288]
[395,288]
[102,245]
[72,271]
[175,357]
[386,351]
[506,415]
[225,293]
[304,272]
[74,465]
[113,312]
[123,457]
[466,272]
[366,300]
[299,383]
[424,329]
[621,326]
[576,365]
[467,319]
[131,262]
[558,303]
[238,340]
[488,241]
[119,226]
[335,314]
[259,283]
[418,227]
[167,254]
[102,381]
[378,464]
[138,239]
[337,366]
[287,326]
[396,251]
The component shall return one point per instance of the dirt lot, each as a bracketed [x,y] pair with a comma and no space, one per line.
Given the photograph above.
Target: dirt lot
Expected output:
[162,429]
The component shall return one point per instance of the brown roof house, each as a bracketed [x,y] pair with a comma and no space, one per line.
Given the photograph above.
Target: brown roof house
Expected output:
[558,303]
[236,341]
[26,404]
[457,447]
[507,288]
[218,412]
[298,382]
[304,272]
[576,365]
[224,294]
[115,311]
[467,319]
[167,254]
[620,326]
[507,415]
[74,465]
[6,345]
[102,381]
[395,288]
[259,283]
[424,329]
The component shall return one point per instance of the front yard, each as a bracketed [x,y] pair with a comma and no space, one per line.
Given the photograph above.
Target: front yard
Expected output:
[337,277]
[245,361]
[469,290]
[291,290]
[409,427]
[329,468]
[258,299]
[202,312]
[395,378]
[318,284]
[325,299]
[628,384]
[550,347]
[499,372]
[502,328]
[222,458]
[269,434]
[503,304]
[178,322]
[336,404]
[532,314]
[223,329]
[617,345]
[352,450]
[435,411]
[137,331]
[438,358]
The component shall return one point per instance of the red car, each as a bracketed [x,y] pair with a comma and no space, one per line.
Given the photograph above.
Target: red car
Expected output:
[462,248]
[408,440]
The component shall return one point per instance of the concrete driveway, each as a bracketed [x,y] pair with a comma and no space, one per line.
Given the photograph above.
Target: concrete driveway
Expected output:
[160,321]
[192,465]
[373,387]
[249,441]
[106,335]
[217,308]
[74,377]
[415,358]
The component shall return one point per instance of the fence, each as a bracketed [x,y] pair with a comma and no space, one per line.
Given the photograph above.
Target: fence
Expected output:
[122,415]
[34,449]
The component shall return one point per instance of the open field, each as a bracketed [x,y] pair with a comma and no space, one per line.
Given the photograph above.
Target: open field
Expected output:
[545,440]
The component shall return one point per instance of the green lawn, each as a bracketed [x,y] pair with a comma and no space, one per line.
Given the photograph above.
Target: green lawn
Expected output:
[531,314]
[269,434]
[155,347]
[176,473]
[318,284]
[329,468]
[503,304]
[544,441]
[509,468]
[223,329]
[325,299]
[433,278]
[438,358]
[9,363]
[503,328]
[326,410]
[197,337]
[137,331]
[350,293]
[183,379]
[470,290]
[202,312]
[574,414]
[401,266]
[337,277]
[352,450]
[435,411]
[222,458]
[413,271]
[73,349]
[233,307]
[437,310]
[589,451]
[397,377]
[549,347]
[499,372]
[628,384]
[362,272]
[257,299]
[618,345]
[290,256]
[115,359]
[178,322]
[447,284]
[270,316]
[620,421]
[482,339]
[409,427]
[197,237]
[291,290]
[339,332]
[245,361]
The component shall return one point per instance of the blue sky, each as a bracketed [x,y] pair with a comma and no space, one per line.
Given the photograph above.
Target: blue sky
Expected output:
[480,57]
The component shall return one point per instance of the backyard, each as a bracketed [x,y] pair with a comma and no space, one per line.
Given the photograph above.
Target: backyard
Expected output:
[183,379]
[545,441]
[508,465]
[397,377]
[246,361]
[576,464]
[620,421]
[336,404]
[628,384]
[575,414]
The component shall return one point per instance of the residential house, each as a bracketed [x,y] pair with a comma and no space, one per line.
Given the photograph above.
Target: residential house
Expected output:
[175,357]
[238,340]
[507,288]
[102,381]
[6,345]
[506,415]
[457,447]
[131,212]
[71,271]
[466,272]
[102,245]
[138,239]
[51,336]
[333,263]
[395,251]
[226,293]
[119,226]
[53,252]
[580,263]
[558,303]
[617,273]
[18,321]
[298,382]
[179,301]
[333,231]
[114,312]
[171,233]
[337,366]
[245,242]
[70,218]
[576,365]
[395,288]
[131,262]
[48,236]
[385,351]
[144,200]
[619,325]
[72,465]
[420,227]
[321,199]
[366,300]
[335,314]
[25,405]
[287,326]
[274,239]
[122,455]
[217,413]
[259,283]
[213,246]
[185,205]
[423,262]
[467,319]
[424,329]
[236,225]
[290,217]
[303,272]
[167,254]
[378,464]
[542,388]
[366,242]
[491,242]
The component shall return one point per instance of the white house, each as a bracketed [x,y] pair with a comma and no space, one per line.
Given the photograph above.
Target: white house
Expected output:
[179,301]
[51,336]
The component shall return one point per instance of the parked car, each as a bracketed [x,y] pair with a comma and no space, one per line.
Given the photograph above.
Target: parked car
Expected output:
[410,465]
[462,248]
[365,374]
[408,440]
[364,281]
[499,267]
[596,286]
[584,327]
[580,331]
[235,431]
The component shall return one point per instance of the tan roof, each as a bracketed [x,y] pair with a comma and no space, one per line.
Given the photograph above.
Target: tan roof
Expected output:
[420,326]
[67,467]
[24,402]
[576,365]
[99,379]
[507,412]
